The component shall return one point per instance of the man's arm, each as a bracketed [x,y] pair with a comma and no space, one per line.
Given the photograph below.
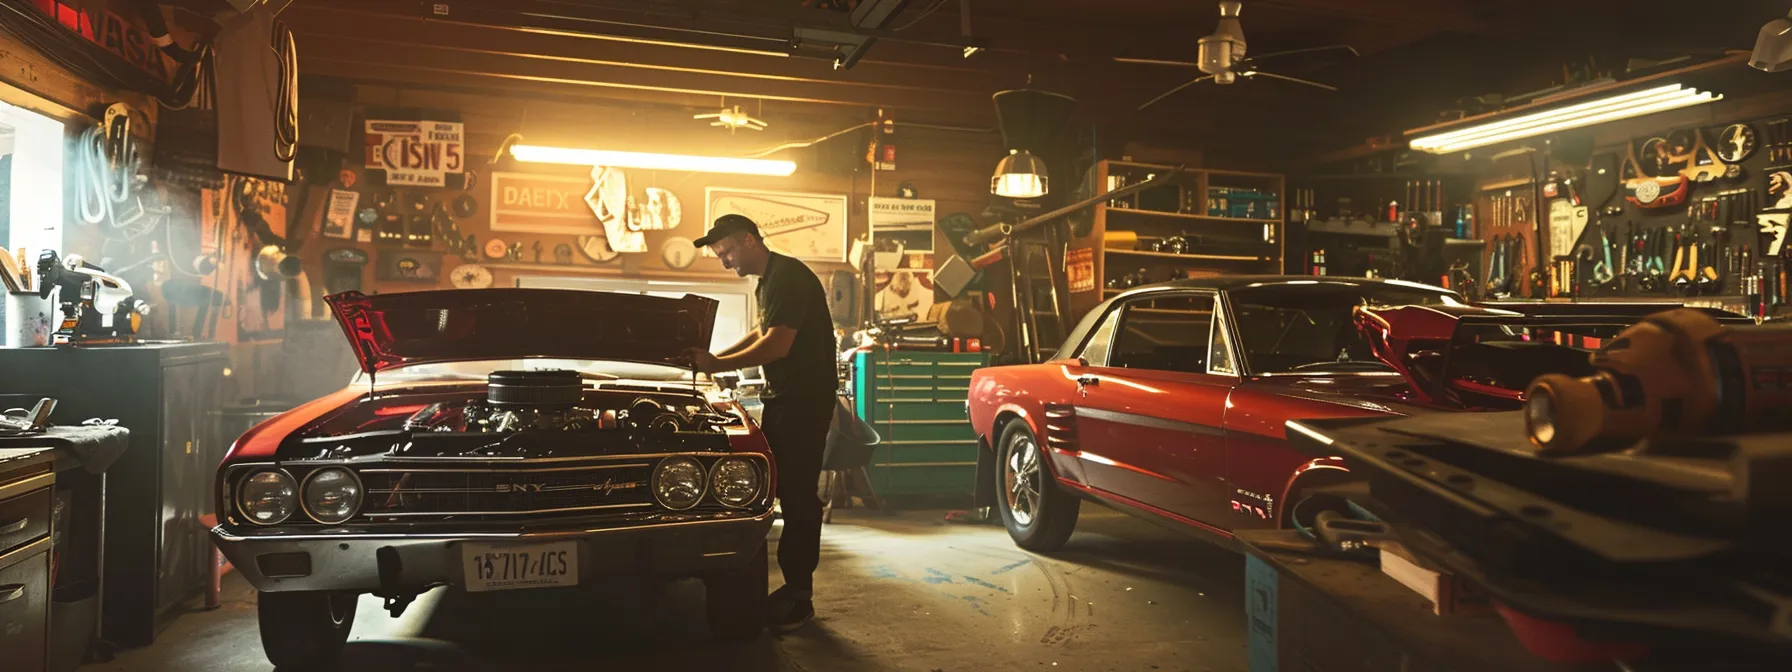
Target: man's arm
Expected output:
[745,342]
[772,346]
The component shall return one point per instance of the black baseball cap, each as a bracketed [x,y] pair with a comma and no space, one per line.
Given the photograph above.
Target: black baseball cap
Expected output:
[728,225]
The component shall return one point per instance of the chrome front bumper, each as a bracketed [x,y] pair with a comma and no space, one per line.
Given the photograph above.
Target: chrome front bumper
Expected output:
[363,562]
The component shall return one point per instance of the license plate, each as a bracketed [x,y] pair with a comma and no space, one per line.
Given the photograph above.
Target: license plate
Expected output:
[512,566]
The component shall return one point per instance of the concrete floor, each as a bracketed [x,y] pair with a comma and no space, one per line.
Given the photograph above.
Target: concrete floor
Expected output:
[894,592]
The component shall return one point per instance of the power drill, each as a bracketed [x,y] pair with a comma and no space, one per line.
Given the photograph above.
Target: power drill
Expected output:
[1678,373]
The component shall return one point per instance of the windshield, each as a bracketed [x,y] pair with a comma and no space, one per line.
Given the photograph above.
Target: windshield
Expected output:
[477,370]
[1308,328]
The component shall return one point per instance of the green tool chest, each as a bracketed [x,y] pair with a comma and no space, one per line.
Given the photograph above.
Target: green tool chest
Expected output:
[916,402]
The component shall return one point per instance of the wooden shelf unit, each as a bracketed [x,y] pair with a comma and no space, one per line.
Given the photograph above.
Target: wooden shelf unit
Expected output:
[1249,245]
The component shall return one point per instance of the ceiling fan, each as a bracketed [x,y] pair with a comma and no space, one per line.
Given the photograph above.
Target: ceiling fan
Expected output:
[733,119]
[1222,57]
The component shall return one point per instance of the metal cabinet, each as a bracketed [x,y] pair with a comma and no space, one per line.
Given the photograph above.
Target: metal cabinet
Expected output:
[168,396]
[25,493]
[916,401]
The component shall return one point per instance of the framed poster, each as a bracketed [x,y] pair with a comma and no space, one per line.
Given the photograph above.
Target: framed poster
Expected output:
[810,227]
[904,292]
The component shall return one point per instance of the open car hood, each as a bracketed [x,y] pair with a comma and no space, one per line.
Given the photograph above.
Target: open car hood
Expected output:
[391,330]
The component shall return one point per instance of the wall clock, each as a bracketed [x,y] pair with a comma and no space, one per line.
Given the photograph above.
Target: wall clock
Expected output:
[678,253]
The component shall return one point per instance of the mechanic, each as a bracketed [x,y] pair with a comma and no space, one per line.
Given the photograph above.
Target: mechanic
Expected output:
[795,345]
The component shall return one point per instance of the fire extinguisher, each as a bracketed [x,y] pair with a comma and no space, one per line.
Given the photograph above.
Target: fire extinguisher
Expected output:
[882,152]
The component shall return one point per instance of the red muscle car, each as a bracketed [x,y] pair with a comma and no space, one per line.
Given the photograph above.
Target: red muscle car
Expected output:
[1169,401]
[499,439]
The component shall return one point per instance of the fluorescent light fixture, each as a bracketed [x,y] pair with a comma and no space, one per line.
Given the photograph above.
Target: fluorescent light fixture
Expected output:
[1625,106]
[1019,175]
[646,161]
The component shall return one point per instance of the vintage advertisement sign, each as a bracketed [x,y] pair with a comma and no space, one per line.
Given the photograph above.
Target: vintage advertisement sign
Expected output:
[125,36]
[416,153]
[554,204]
[901,213]
[1079,269]
[811,227]
[339,218]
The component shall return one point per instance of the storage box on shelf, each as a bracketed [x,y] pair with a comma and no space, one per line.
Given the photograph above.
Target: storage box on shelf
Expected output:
[916,402]
[1205,222]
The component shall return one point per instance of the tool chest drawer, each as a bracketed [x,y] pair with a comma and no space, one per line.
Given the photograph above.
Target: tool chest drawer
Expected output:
[23,517]
[25,607]
[916,402]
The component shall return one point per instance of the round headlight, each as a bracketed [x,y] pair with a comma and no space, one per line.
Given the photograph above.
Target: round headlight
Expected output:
[268,497]
[678,483]
[332,495]
[735,481]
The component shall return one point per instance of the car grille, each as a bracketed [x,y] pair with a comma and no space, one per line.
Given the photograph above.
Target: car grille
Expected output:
[439,492]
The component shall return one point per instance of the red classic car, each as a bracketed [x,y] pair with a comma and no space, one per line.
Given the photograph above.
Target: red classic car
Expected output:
[499,439]
[1170,400]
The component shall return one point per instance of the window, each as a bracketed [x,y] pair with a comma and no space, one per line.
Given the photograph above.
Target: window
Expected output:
[1310,327]
[1219,356]
[31,147]
[1096,350]
[1165,334]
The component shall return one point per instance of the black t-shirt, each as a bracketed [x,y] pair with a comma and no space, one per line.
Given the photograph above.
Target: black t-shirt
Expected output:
[790,295]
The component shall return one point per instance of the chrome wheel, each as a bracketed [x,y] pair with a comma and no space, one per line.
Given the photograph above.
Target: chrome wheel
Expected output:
[1021,479]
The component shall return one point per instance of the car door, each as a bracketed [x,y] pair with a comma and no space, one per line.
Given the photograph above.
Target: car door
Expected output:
[1149,409]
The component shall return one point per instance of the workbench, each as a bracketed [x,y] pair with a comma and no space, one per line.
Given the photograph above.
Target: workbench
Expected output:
[1312,613]
[63,469]
[1656,553]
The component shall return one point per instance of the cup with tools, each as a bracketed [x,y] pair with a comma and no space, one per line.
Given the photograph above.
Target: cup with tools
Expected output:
[28,318]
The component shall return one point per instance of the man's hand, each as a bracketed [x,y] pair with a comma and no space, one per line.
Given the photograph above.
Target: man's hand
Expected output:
[703,361]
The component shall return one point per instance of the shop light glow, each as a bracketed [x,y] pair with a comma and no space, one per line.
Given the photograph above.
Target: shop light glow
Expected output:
[647,161]
[1019,175]
[1625,106]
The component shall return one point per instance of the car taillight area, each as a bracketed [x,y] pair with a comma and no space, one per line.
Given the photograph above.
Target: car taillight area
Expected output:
[526,490]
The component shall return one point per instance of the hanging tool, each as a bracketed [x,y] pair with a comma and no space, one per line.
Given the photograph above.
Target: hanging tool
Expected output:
[1603,269]
[1496,267]
[1686,261]
[1644,191]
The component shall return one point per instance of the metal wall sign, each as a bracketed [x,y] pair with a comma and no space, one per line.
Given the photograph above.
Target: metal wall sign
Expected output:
[416,153]
[554,204]
[125,35]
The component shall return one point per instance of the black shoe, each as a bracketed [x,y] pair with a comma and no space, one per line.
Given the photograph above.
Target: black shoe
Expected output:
[787,612]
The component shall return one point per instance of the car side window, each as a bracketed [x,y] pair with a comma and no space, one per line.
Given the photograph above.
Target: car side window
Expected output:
[1095,350]
[1168,333]
[1219,354]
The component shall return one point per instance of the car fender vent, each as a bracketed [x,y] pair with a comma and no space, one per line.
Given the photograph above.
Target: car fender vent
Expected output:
[1060,426]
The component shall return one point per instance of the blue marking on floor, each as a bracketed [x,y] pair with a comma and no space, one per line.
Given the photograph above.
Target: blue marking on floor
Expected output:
[985,584]
[978,605]
[884,572]
[1008,568]
[937,576]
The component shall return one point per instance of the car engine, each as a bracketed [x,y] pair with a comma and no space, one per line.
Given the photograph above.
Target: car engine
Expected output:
[550,401]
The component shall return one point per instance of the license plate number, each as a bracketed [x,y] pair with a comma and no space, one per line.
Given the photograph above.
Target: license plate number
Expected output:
[512,566]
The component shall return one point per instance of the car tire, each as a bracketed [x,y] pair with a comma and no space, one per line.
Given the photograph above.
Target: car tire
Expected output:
[1038,513]
[304,630]
[735,600]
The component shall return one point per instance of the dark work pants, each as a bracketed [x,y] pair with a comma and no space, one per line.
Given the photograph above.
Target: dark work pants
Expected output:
[797,429]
